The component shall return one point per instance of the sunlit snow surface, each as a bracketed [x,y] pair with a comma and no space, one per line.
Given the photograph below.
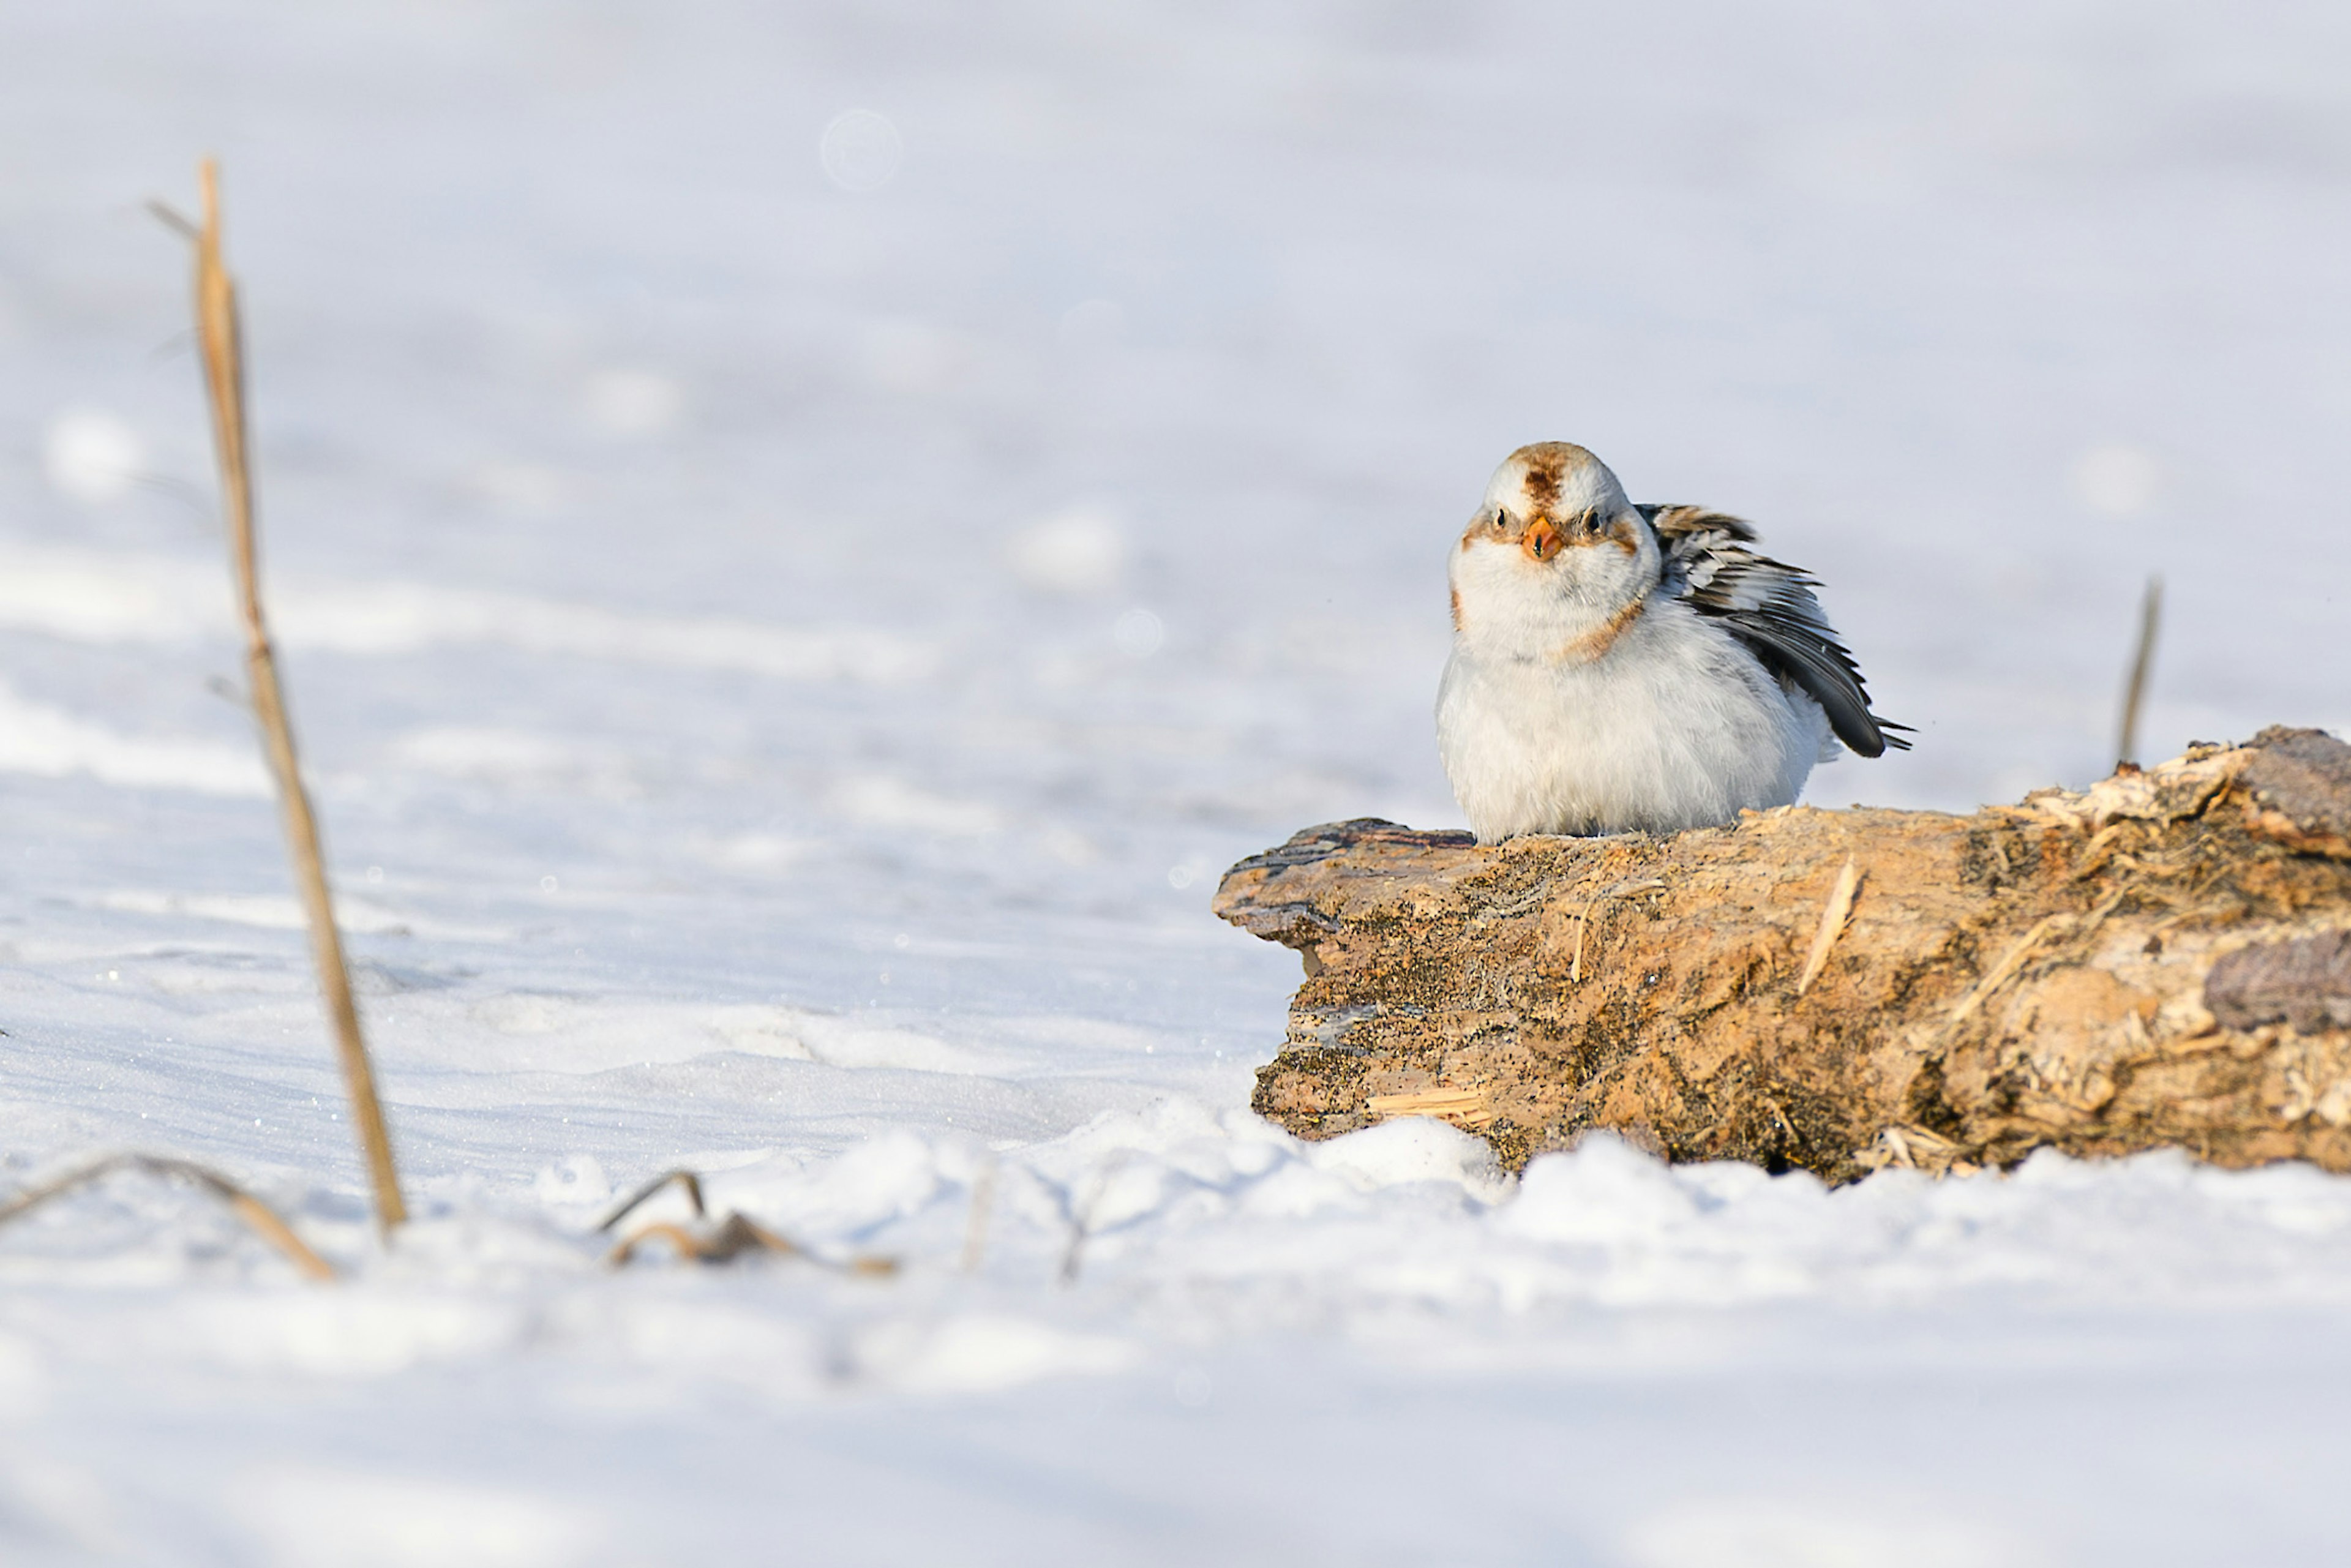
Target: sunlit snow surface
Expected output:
[804,540]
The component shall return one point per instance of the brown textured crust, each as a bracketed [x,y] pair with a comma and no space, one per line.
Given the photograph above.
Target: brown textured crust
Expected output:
[2056,974]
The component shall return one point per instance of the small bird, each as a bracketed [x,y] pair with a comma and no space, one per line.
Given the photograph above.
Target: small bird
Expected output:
[1623,668]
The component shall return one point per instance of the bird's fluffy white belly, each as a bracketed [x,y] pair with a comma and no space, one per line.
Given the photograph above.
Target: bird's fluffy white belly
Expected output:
[1676,726]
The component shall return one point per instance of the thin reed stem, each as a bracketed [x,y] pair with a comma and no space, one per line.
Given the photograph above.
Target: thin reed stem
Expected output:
[2150,621]
[221,336]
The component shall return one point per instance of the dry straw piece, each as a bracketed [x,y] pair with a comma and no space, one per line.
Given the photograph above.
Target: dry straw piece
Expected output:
[221,336]
[1834,916]
[259,1216]
[1463,1107]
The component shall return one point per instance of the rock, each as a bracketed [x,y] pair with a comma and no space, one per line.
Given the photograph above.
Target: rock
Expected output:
[2299,790]
[2306,983]
[2164,959]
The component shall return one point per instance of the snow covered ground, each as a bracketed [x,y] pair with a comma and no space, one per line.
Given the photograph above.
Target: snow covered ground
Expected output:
[806,536]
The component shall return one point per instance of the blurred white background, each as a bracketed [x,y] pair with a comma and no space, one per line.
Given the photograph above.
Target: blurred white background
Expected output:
[797,312]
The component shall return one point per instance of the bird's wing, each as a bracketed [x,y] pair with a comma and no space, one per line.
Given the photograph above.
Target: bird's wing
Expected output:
[1769,606]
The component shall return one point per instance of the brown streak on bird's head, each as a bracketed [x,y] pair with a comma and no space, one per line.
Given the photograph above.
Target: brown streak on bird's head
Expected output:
[1457,609]
[1625,534]
[1547,470]
[1546,466]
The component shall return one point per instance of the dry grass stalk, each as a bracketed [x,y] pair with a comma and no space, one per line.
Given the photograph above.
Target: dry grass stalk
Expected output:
[1080,1213]
[221,337]
[983,1202]
[258,1217]
[1834,916]
[2150,621]
[2010,963]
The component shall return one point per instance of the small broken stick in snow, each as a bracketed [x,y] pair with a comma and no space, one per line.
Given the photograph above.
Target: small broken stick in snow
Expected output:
[719,1242]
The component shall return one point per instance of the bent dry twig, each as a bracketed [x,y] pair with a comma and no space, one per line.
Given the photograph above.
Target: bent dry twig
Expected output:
[263,1220]
[643,1195]
[722,1242]
[220,335]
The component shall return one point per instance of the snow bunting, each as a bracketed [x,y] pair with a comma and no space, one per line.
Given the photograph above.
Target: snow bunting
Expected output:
[1619,667]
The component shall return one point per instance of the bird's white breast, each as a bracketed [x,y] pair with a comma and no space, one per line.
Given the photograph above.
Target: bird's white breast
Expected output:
[1675,726]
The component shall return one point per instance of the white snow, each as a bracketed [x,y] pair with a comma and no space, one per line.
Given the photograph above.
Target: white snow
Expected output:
[51,742]
[803,538]
[91,455]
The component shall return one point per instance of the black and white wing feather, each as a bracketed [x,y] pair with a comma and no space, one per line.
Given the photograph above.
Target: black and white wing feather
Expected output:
[1769,606]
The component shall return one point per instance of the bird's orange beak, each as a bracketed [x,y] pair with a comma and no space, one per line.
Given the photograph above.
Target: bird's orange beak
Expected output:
[1542,540]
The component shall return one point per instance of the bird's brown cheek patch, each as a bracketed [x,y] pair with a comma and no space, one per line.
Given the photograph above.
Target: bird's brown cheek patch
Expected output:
[1457,609]
[1624,536]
